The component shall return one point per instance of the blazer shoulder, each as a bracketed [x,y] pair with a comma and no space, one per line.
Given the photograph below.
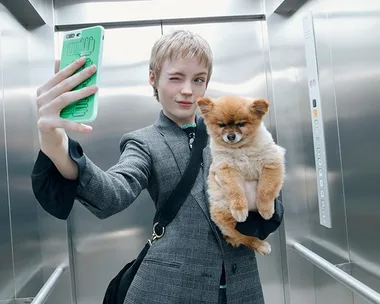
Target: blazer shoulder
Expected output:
[142,136]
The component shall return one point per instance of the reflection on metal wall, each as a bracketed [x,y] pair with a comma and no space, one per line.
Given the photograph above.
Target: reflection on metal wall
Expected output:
[19,143]
[6,261]
[346,36]
[76,12]
[355,45]
[32,243]
[53,233]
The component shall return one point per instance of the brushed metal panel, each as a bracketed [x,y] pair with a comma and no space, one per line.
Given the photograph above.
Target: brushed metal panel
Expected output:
[7,288]
[306,284]
[368,279]
[346,43]
[329,290]
[243,70]
[272,128]
[53,232]
[288,97]
[107,12]
[102,248]
[354,47]
[8,302]
[18,301]
[19,142]
[330,243]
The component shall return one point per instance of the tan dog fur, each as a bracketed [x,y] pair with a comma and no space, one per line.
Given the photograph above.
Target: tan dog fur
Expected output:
[245,174]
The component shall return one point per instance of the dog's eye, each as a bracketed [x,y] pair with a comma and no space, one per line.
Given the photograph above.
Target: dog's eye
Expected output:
[240,124]
[222,125]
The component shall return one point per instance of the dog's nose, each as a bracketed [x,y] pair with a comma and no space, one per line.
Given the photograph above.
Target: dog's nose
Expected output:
[231,137]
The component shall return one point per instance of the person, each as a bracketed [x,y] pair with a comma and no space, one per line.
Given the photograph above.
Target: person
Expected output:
[192,263]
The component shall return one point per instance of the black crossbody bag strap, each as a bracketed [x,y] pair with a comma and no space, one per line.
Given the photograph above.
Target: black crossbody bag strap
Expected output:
[118,287]
[169,209]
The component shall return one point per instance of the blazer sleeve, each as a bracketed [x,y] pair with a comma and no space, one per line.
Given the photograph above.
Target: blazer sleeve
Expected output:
[104,193]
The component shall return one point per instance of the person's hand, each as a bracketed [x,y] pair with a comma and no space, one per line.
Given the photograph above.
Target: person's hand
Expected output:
[56,94]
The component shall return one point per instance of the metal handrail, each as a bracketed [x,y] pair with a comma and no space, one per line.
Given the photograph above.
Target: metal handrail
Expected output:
[48,287]
[341,276]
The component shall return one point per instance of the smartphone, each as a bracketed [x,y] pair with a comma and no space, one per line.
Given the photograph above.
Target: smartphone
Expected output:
[76,44]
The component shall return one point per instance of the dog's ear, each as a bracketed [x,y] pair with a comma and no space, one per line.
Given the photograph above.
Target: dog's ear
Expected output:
[259,107]
[205,104]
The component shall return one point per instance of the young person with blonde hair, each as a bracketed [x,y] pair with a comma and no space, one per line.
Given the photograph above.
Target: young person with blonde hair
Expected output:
[191,263]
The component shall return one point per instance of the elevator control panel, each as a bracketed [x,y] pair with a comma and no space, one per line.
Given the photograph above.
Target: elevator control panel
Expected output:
[317,122]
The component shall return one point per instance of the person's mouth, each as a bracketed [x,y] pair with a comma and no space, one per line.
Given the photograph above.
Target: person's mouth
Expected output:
[185,103]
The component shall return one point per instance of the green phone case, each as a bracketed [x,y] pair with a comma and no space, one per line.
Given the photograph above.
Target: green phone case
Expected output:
[83,42]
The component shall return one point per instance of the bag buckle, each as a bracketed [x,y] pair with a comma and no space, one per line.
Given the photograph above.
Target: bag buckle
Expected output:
[156,235]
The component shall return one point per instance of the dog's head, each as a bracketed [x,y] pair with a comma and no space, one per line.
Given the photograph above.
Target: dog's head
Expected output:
[232,120]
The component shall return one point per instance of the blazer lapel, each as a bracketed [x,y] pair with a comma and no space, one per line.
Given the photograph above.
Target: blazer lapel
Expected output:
[199,191]
[177,141]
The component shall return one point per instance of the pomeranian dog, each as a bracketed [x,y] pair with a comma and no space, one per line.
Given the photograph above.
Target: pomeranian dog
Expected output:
[247,169]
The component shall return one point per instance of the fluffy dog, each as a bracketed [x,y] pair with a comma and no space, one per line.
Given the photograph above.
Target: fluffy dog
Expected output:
[247,169]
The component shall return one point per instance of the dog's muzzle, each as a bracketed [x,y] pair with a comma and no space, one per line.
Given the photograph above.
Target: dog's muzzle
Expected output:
[232,138]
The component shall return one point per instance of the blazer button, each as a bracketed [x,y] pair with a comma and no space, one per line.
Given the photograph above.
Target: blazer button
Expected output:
[234,267]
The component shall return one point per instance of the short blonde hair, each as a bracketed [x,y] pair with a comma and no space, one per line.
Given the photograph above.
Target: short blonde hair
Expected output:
[180,43]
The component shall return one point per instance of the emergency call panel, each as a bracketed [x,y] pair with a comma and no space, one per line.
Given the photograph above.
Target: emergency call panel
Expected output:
[317,122]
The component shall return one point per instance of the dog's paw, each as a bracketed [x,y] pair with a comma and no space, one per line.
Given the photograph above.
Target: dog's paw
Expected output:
[240,214]
[264,248]
[266,211]
[232,242]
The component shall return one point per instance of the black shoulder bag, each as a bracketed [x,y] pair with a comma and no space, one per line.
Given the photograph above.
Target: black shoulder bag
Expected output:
[118,287]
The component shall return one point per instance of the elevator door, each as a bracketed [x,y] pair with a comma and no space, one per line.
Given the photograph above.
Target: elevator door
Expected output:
[6,261]
[242,70]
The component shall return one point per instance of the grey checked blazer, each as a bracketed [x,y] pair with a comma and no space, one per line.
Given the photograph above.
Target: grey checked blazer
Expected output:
[185,265]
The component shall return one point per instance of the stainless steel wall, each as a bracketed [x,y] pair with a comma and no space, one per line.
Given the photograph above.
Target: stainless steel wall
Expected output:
[347,44]
[74,12]
[54,242]
[31,244]
[6,262]
[22,253]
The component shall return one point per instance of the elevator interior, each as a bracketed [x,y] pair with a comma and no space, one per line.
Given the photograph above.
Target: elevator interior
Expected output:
[261,49]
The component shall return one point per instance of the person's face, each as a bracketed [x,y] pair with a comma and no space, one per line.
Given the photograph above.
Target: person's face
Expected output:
[180,83]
